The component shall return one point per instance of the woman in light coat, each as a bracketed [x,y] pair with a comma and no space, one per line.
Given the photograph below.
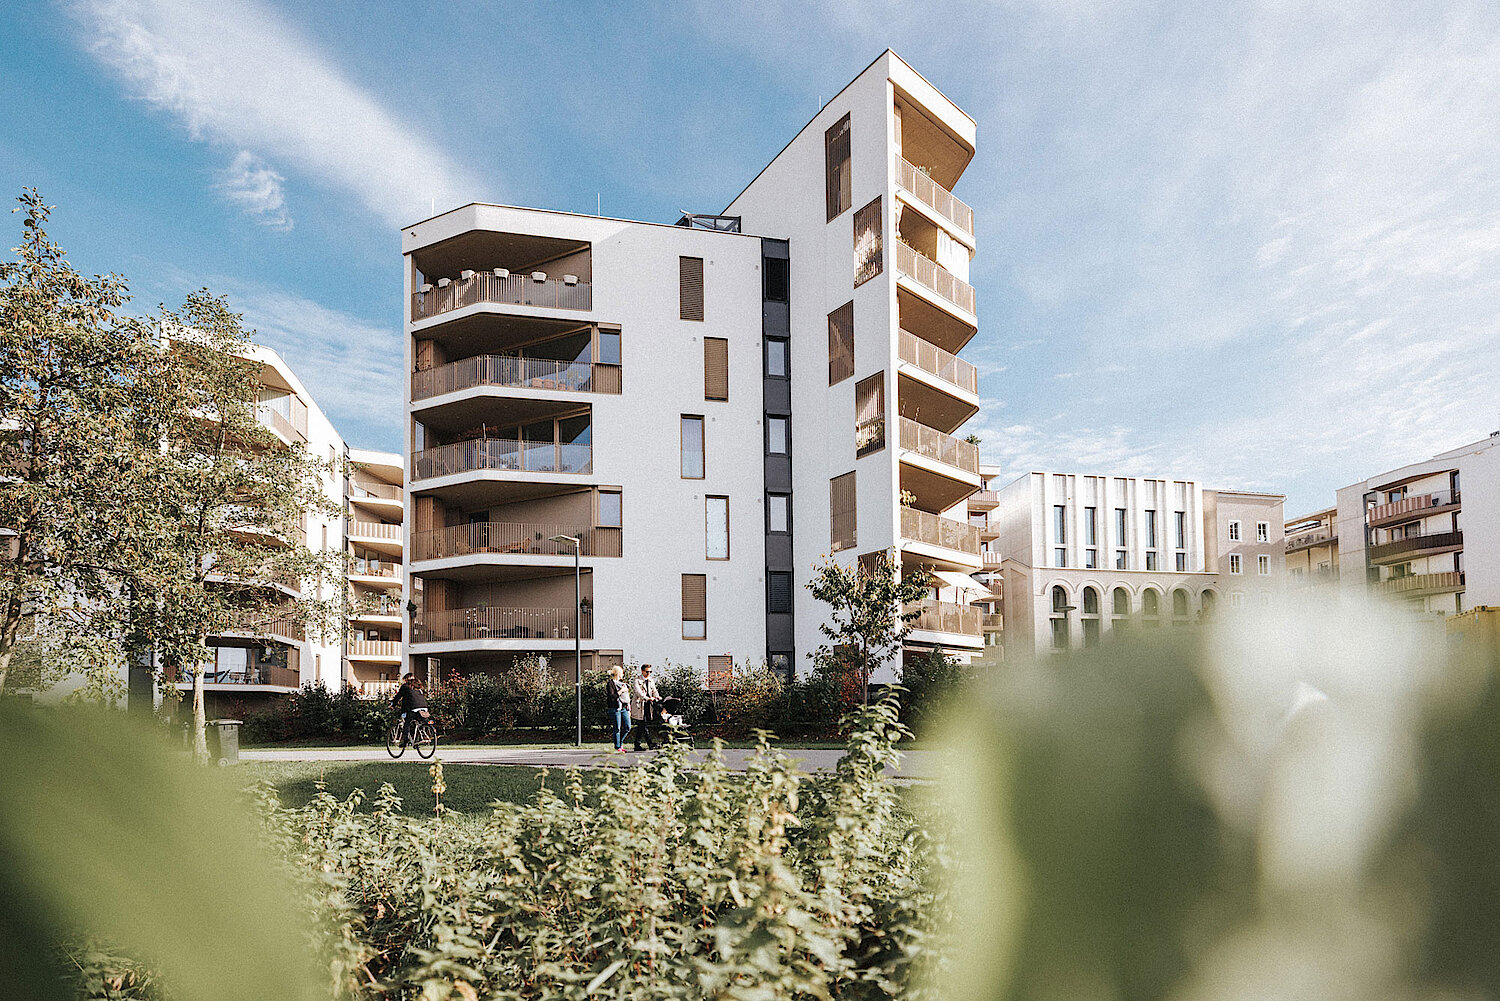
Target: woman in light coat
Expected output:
[645,703]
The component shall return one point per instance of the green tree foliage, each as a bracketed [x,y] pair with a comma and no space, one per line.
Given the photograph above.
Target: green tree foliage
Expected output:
[869,615]
[932,681]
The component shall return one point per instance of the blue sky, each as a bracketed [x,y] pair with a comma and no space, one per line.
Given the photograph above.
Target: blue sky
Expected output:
[1256,244]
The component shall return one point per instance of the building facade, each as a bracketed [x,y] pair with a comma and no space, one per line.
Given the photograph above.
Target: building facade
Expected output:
[707,407]
[1087,556]
[1312,549]
[375,512]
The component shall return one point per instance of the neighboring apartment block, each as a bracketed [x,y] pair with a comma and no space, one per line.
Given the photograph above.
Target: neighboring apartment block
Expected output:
[991,582]
[1312,548]
[706,407]
[375,511]
[1086,556]
[1426,534]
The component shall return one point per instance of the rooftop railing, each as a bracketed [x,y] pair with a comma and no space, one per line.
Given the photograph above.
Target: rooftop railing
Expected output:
[500,286]
[934,360]
[934,277]
[934,196]
[496,623]
[512,538]
[508,454]
[934,530]
[939,445]
[515,372]
[1304,539]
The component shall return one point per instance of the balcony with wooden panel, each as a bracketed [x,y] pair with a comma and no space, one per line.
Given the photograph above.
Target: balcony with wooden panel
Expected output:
[947,623]
[1416,505]
[931,541]
[934,386]
[937,468]
[1421,584]
[1400,550]
[501,270]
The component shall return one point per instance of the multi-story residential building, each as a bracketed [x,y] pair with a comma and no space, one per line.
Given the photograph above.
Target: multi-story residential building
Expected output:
[1426,534]
[982,504]
[558,392]
[375,510]
[1312,548]
[1089,555]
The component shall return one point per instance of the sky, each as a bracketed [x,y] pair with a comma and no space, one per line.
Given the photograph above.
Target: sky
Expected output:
[1254,244]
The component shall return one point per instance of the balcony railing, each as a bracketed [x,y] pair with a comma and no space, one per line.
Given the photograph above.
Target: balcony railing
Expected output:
[293,429]
[374,649]
[947,617]
[501,453]
[934,277]
[360,489]
[280,626]
[934,196]
[1416,543]
[1451,581]
[1302,540]
[375,530]
[387,606]
[505,288]
[938,445]
[378,689]
[991,559]
[512,538]
[368,567]
[984,500]
[992,622]
[921,526]
[515,372]
[1415,504]
[934,360]
[249,674]
[492,623]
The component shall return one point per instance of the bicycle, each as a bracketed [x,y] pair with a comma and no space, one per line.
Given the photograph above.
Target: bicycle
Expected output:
[424,738]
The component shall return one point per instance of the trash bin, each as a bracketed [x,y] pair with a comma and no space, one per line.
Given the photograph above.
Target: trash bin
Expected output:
[224,740]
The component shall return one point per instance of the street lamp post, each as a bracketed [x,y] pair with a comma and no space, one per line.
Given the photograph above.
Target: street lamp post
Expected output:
[577,627]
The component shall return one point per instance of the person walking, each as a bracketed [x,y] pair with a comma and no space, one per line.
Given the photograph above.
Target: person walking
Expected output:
[617,699]
[645,703]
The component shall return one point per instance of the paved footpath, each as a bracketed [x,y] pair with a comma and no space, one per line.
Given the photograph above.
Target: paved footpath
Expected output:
[914,764]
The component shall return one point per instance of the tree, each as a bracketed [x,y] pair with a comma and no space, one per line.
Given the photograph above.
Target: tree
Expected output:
[931,682]
[231,498]
[870,614]
[71,372]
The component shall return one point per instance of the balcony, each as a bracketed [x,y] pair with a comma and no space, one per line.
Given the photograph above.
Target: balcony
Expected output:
[991,559]
[249,674]
[1417,545]
[516,372]
[992,622]
[366,570]
[947,617]
[375,690]
[935,197]
[384,608]
[1414,585]
[1415,505]
[934,278]
[1305,540]
[512,539]
[492,623]
[373,490]
[374,530]
[939,446]
[378,650]
[291,428]
[984,500]
[281,627]
[502,287]
[505,454]
[945,533]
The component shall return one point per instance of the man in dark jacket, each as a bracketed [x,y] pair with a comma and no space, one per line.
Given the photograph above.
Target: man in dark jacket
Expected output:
[411,703]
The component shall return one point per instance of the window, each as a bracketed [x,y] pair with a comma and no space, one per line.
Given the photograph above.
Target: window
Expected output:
[1151,560]
[715,368]
[1262,531]
[841,512]
[1234,531]
[778,279]
[609,509]
[609,347]
[1150,607]
[1091,559]
[694,606]
[690,292]
[1150,529]
[1122,562]
[1236,599]
[841,343]
[778,513]
[1059,525]
[1263,565]
[1120,539]
[781,663]
[1060,610]
[777,360]
[1234,563]
[692,448]
[778,436]
[869,414]
[779,592]
[1121,601]
[1179,528]
[1060,557]
[868,261]
[1179,604]
[836,168]
[1090,526]
[716,527]
[1181,562]
[720,671]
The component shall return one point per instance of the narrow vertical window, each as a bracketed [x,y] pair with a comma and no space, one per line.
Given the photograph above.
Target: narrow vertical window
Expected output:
[778,436]
[715,368]
[694,606]
[610,509]
[868,258]
[1234,563]
[841,343]
[1179,528]
[779,592]
[1181,562]
[841,512]
[869,414]
[1090,526]
[716,527]
[836,167]
[778,279]
[609,347]
[1150,529]
[690,272]
[1262,531]
[692,448]
[1120,539]
[777,362]
[1234,531]
[1059,525]
[778,513]
[1263,565]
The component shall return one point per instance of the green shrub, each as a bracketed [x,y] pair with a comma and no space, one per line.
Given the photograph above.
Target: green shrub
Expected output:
[932,685]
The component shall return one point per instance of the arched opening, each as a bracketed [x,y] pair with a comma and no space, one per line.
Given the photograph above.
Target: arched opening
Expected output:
[1061,628]
[1150,607]
[1206,602]
[1091,621]
[1180,607]
[1119,620]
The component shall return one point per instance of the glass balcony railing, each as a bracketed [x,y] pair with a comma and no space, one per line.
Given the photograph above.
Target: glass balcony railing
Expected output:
[515,372]
[496,623]
[513,538]
[507,454]
[500,286]
[947,617]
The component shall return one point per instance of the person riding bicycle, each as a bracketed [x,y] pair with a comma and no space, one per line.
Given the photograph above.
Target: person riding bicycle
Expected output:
[411,703]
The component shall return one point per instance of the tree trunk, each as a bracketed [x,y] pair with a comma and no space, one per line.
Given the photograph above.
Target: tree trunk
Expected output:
[200,719]
[10,630]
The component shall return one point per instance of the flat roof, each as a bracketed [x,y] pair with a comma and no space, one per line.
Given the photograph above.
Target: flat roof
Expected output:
[573,215]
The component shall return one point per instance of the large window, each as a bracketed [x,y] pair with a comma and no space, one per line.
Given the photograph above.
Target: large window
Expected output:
[841,343]
[836,168]
[715,368]
[694,606]
[869,414]
[841,512]
[690,292]
[692,448]
[716,527]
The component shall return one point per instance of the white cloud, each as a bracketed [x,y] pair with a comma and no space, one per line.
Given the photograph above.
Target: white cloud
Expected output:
[257,190]
[237,74]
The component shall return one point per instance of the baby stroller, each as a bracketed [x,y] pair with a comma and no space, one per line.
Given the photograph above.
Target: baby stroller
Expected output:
[674,728]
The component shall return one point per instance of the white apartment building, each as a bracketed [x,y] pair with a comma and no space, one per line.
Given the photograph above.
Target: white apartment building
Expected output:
[708,406]
[1085,556]
[1426,534]
[375,506]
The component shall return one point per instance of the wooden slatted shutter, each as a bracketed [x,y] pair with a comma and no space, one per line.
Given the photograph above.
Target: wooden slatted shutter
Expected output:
[720,670]
[841,343]
[841,511]
[694,606]
[715,368]
[691,273]
[836,150]
[869,414]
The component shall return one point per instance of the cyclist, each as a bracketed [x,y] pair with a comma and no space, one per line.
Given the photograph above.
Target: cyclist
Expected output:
[411,703]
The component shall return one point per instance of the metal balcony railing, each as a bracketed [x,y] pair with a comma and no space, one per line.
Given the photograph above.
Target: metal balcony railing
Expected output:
[934,196]
[1415,504]
[512,538]
[1304,539]
[1415,544]
[375,530]
[374,649]
[947,617]
[934,530]
[1450,581]
[939,445]
[934,277]
[501,453]
[515,372]
[379,689]
[932,359]
[506,289]
[494,623]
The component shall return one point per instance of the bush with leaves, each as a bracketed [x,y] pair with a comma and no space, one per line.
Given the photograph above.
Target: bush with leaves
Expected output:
[932,683]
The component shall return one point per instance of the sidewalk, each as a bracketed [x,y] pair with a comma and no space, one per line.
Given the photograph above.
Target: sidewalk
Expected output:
[917,765]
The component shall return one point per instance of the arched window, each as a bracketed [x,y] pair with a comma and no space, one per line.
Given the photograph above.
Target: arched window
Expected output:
[1061,630]
[1179,607]
[1122,601]
[1091,623]
[1150,607]
[1206,603]
[1060,599]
